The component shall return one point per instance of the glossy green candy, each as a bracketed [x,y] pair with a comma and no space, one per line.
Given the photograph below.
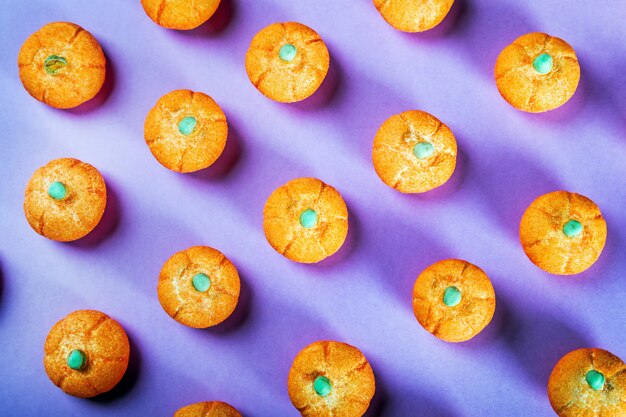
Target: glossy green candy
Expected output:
[57,190]
[308,218]
[287,52]
[201,282]
[452,296]
[573,228]
[322,386]
[423,150]
[187,125]
[54,63]
[595,380]
[76,359]
[543,64]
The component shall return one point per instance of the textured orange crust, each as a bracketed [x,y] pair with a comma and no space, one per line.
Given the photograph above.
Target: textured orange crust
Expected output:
[412,15]
[74,84]
[283,81]
[192,308]
[543,240]
[570,394]
[180,14]
[470,316]
[527,90]
[208,409]
[74,216]
[176,151]
[281,220]
[106,348]
[393,157]
[350,374]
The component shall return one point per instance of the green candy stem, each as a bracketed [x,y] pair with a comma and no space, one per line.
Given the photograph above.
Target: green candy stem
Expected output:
[308,218]
[187,125]
[452,296]
[543,64]
[595,380]
[572,228]
[287,52]
[76,359]
[322,386]
[57,190]
[54,63]
[201,282]
[423,150]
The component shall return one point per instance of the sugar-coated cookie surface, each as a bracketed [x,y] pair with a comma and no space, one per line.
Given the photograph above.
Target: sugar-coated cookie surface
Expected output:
[199,287]
[305,220]
[86,353]
[413,16]
[62,65]
[454,300]
[65,199]
[186,131]
[180,14]
[287,62]
[563,233]
[537,72]
[331,379]
[589,383]
[208,409]
[414,152]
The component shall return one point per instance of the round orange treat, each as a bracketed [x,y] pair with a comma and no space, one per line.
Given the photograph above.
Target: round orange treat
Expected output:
[305,220]
[563,233]
[589,383]
[65,199]
[414,152]
[86,353]
[287,62]
[186,131]
[207,409]
[413,16]
[199,287]
[62,65]
[180,14]
[454,300]
[331,379]
[537,73]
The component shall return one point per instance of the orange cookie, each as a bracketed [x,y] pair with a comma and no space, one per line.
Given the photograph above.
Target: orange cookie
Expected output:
[287,62]
[65,199]
[305,220]
[199,287]
[563,233]
[454,300]
[413,16]
[414,152]
[62,65]
[86,353]
[186,131]
[208,409]
[589,383]
[331,379]
[180,14]
[537,73]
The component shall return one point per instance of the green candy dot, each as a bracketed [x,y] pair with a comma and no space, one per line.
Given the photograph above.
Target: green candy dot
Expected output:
[543,63]
[76,359]
[201,282]
[308,218]
[451,296]
[54,63]
[322,386]
[423,150]
[187,125]
[287,52]
[572,228]
[57,190]
[595,380]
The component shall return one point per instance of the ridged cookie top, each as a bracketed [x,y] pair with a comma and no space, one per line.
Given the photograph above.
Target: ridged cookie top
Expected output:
[413,16]
[79,210]
[180,14]
[545,227]
[305,220]
[62,65]
[330,378]
[537,72]
[287,62]
[104,346]
[208,409]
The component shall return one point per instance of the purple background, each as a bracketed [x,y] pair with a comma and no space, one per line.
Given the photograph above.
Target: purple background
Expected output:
[362,295]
